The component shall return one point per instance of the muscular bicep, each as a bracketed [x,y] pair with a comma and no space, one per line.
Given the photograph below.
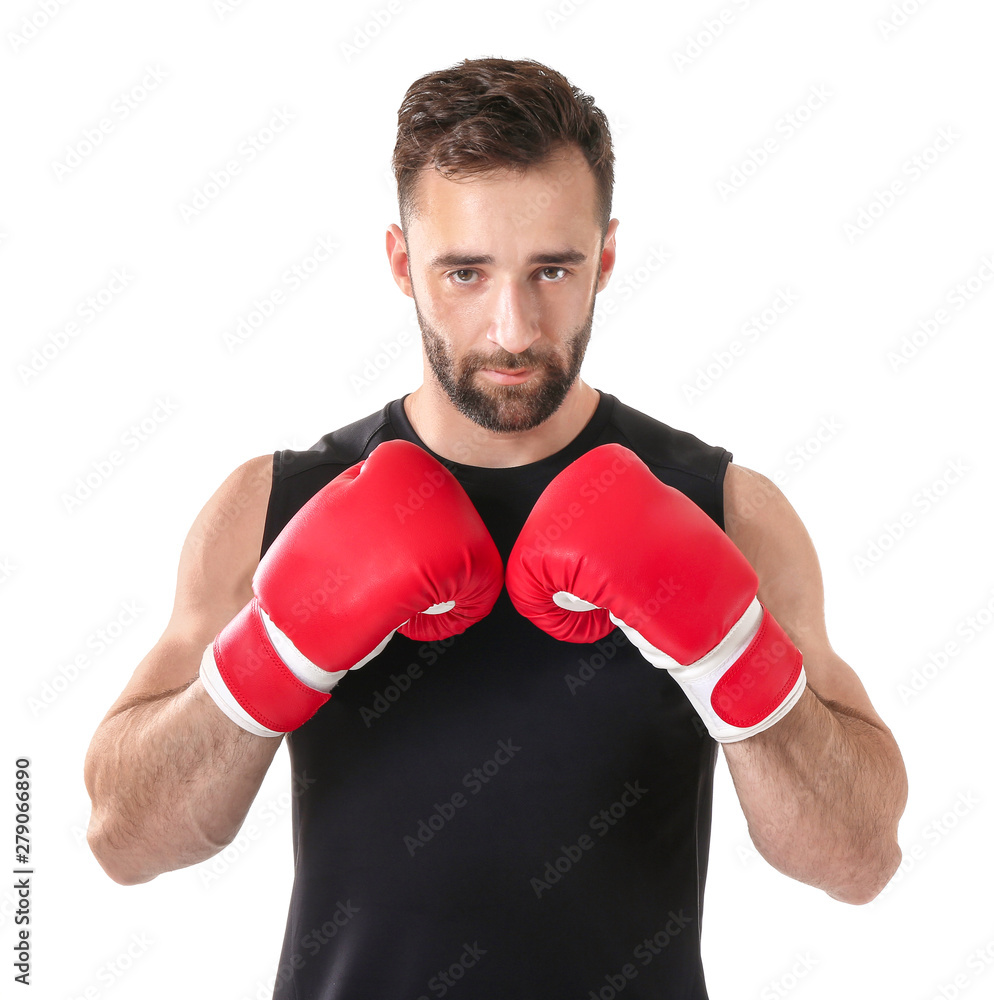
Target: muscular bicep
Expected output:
[770,534]
[213,582]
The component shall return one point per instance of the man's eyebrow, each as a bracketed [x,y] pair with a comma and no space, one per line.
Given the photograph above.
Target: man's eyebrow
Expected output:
[464,258]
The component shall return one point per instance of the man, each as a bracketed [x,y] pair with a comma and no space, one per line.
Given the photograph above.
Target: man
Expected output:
[502,626]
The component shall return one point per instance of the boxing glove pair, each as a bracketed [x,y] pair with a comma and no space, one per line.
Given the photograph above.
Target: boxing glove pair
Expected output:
[394,544]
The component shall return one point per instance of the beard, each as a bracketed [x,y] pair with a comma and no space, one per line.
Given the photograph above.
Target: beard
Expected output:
[506,408]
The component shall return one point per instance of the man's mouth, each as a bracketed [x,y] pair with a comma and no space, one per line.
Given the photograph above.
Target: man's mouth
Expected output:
[508,376]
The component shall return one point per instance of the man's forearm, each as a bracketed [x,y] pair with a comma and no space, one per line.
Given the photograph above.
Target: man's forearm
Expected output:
[171,781]
[823,790]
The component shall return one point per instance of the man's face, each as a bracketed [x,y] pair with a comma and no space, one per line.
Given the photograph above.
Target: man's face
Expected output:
[503,269]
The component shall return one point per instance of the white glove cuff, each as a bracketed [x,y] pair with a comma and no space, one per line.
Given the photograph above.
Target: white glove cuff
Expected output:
[214,685]
[698,679]
[298,664]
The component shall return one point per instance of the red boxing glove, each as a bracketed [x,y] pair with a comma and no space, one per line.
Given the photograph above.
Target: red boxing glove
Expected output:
[393,543]
[609,544]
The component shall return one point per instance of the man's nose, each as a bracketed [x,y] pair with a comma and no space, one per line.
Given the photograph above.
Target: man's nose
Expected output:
[515,325]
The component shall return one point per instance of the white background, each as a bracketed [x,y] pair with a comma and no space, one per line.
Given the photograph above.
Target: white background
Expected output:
[888,433]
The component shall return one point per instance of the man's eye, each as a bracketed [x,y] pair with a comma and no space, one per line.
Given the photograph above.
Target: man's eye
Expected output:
[458,276]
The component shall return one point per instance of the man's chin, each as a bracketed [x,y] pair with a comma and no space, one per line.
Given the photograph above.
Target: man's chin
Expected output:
[507,409]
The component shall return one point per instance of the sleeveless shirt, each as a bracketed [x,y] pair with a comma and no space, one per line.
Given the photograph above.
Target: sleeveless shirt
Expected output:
[500,815]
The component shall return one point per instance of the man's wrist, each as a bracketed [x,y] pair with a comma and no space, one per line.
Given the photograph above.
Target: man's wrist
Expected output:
[760,685]
[746,684]
[249,681]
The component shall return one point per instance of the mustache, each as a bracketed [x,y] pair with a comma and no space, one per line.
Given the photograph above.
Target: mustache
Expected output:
[507,362]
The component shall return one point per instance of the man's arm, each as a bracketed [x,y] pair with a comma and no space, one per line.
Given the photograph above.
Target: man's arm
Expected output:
[823,789]
[170,777]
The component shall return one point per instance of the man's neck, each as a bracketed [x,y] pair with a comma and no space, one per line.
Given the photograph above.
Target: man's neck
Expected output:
[455,437]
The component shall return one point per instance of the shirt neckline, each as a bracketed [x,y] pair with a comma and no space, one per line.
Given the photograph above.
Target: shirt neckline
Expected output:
[524,473]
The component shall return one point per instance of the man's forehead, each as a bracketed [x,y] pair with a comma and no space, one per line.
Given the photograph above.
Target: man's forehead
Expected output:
[565,166]
[557,195]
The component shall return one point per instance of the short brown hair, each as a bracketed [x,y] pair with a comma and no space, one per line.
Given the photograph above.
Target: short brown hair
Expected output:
[486,114]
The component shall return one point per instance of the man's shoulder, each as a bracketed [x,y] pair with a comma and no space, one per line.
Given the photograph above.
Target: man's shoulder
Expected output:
[343,446]
[754,504]
[298,475]
[676,457]
[664,446]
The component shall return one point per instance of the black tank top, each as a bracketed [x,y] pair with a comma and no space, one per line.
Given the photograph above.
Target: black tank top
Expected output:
[500,815]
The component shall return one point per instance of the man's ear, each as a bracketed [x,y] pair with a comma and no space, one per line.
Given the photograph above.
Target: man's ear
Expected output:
[399,261]
[608,255]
